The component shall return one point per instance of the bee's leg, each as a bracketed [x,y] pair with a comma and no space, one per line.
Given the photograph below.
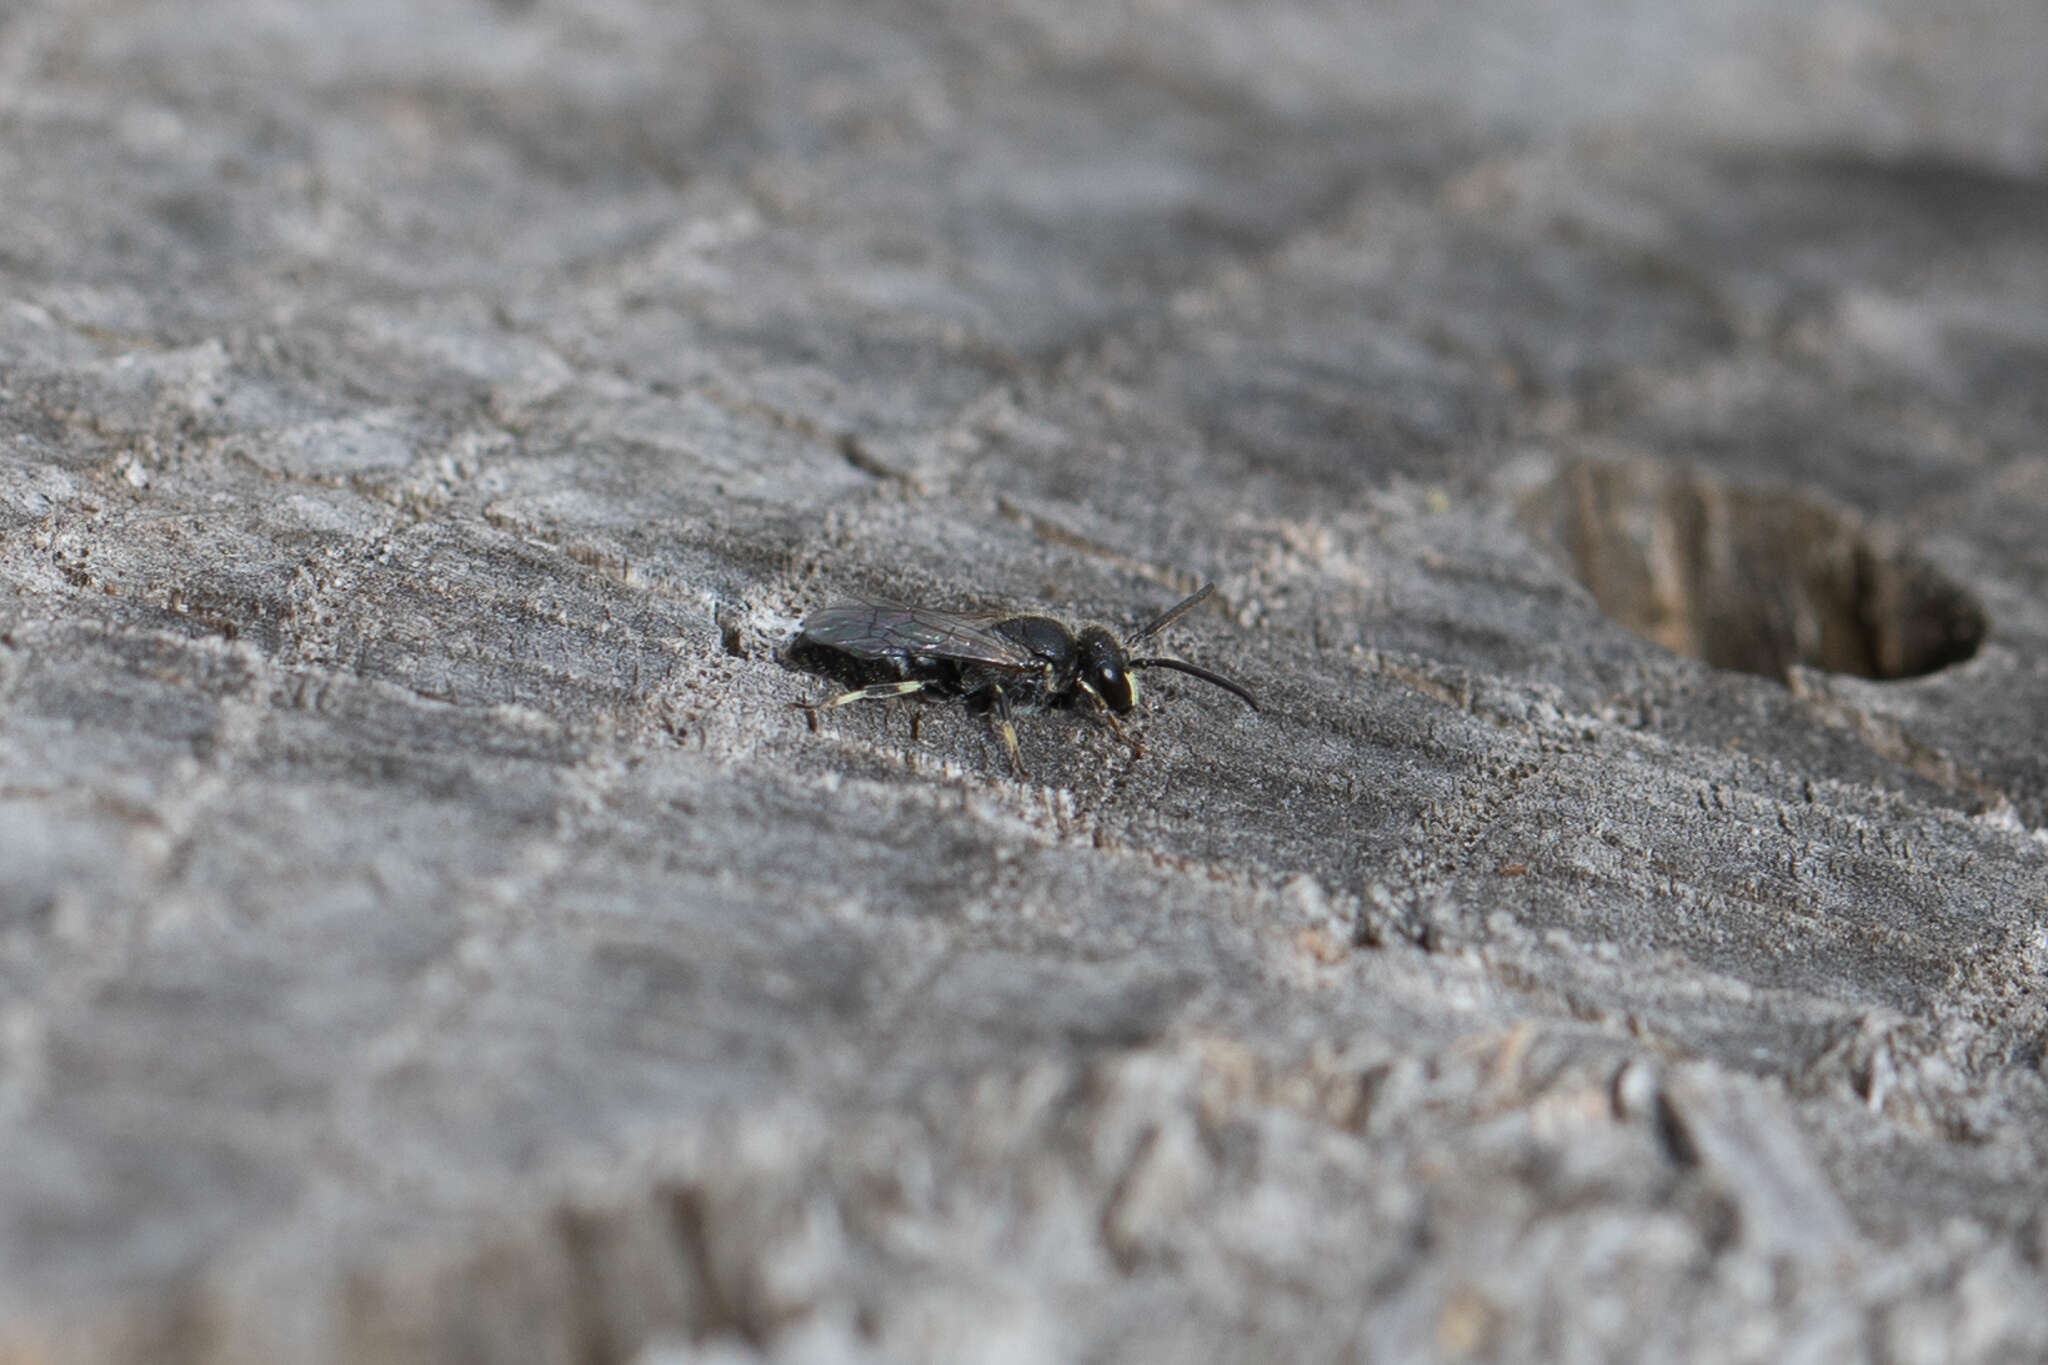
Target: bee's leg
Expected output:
[878,690]
[1129,741]
[1102,713]
[999,718]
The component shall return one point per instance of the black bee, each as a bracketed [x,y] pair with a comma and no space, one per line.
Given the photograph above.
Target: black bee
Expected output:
[998,664]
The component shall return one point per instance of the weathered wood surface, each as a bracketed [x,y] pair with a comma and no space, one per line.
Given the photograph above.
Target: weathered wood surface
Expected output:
[431,933]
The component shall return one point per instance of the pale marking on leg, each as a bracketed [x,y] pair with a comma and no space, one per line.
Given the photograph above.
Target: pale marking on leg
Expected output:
[877,691]
[1008,734]
[999,717]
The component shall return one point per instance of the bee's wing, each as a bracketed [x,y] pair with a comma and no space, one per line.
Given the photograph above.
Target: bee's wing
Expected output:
[880,630]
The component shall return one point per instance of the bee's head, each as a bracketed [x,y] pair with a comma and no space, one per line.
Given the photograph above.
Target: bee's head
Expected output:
[1106,671]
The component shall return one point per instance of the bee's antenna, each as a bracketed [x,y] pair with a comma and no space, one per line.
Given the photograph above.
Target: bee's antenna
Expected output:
[1170,615]
[1182,666]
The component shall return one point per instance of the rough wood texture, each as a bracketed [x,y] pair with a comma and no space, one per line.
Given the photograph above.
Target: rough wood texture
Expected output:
[431,933]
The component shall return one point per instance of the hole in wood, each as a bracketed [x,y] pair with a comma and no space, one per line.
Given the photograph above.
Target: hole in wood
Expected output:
[1752,578]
